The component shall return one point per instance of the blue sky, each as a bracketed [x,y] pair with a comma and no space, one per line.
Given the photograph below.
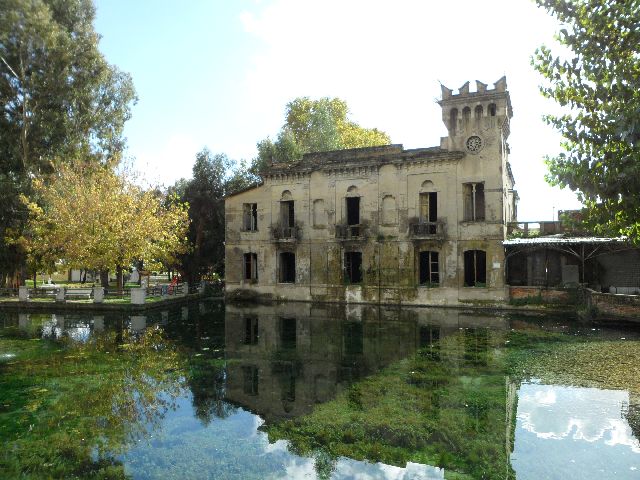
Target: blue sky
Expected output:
[219,73]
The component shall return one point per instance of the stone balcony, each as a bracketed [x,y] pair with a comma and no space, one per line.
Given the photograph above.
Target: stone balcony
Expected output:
[427,230]
[281,234]
[350,232]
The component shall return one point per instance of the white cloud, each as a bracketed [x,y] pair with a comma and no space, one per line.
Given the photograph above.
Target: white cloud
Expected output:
[582,414]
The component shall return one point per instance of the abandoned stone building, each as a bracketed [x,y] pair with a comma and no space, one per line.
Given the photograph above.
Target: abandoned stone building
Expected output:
[384,224]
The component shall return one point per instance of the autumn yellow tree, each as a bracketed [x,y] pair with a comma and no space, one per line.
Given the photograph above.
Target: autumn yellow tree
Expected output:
[94,218]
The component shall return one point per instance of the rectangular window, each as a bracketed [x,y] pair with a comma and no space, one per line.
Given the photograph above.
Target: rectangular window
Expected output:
[353,267]
[251,331]
[250,217]
[475,268]
[429,268]
[288,333]
[353,210]
[287,267]
[429,211]
[251,266]
[287,214]
[250,380]
[473,202]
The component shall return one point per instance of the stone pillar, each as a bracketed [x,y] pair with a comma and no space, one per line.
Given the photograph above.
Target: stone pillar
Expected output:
[98,294]
[138,323]
[98,323]
[185,289]
[23,294]
[164,317]
[60,293]
[184,313]
[24,319]
[138,296]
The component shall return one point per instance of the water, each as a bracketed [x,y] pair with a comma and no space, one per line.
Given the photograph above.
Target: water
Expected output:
[305,391]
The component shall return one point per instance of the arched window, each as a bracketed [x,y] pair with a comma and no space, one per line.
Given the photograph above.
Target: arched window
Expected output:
[478,112]
[492,109]
[453,120]
[389,216]
[466,115]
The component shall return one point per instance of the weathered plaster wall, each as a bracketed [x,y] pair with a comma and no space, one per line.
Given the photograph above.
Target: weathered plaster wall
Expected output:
[388,180]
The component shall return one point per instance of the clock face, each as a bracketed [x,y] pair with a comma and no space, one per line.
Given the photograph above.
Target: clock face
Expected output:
[474,144]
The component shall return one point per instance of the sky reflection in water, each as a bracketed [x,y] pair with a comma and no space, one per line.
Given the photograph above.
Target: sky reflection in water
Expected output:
[248,366]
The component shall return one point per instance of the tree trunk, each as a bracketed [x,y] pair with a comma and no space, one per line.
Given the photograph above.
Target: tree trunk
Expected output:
[104,278]
[35,279]
[119,278]
[84,276]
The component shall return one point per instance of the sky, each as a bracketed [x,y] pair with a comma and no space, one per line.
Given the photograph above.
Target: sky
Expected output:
[219,73]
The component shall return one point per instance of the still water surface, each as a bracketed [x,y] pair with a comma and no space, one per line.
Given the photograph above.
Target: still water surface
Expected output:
[303,391]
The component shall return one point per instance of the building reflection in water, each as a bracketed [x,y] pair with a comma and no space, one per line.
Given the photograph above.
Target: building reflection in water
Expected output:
[284,359]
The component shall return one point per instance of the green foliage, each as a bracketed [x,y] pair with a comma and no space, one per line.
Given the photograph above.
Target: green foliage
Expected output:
[315,126]
[60,99]
[598,83]
[204,193]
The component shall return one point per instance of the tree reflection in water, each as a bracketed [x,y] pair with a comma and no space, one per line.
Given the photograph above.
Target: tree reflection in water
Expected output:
[71,407]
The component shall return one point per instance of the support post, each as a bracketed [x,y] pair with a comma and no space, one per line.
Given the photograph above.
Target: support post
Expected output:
[23,294]
[98,294]
[138,296]
[60,294]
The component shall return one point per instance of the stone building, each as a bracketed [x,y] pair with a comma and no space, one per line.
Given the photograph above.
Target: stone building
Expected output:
[383,224]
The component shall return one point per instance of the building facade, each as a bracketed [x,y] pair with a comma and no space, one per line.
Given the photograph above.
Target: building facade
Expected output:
[384,224]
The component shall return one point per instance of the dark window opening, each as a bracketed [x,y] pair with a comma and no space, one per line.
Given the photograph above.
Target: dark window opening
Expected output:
[429,342]
[288,333]
[250,217]
[466,115]
[429,210]
[353,338]
[353,267]
[353,210]
[250,331]
[475,268]
[287,214]
[492,109]
[453,121]
[473,202]
[287,378]
[476,346]
[287,267]
[478,112]
[250,380]
[429,268]
[250,266]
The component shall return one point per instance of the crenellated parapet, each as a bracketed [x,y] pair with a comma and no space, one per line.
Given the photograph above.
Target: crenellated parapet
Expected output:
[470,116]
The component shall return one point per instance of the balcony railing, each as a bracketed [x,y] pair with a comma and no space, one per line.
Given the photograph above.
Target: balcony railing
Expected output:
[350,232]
[427,230]
[285,234]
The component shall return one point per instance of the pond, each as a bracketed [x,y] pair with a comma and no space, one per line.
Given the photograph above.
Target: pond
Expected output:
[317,391]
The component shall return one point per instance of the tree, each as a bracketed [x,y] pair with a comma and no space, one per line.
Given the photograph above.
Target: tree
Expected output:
[90,217]
[60,99]
[599,85]
[315,126]
[204,193]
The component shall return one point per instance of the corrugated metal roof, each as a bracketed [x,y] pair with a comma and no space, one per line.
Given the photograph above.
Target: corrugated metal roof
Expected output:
[561,240]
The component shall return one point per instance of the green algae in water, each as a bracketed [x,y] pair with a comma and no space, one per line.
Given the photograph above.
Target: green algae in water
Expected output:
[69,408]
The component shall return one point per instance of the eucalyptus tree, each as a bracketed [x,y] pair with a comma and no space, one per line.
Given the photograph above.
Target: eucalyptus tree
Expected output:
[60,100]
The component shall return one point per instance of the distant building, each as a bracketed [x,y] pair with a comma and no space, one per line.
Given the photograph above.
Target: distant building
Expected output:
[384,224]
